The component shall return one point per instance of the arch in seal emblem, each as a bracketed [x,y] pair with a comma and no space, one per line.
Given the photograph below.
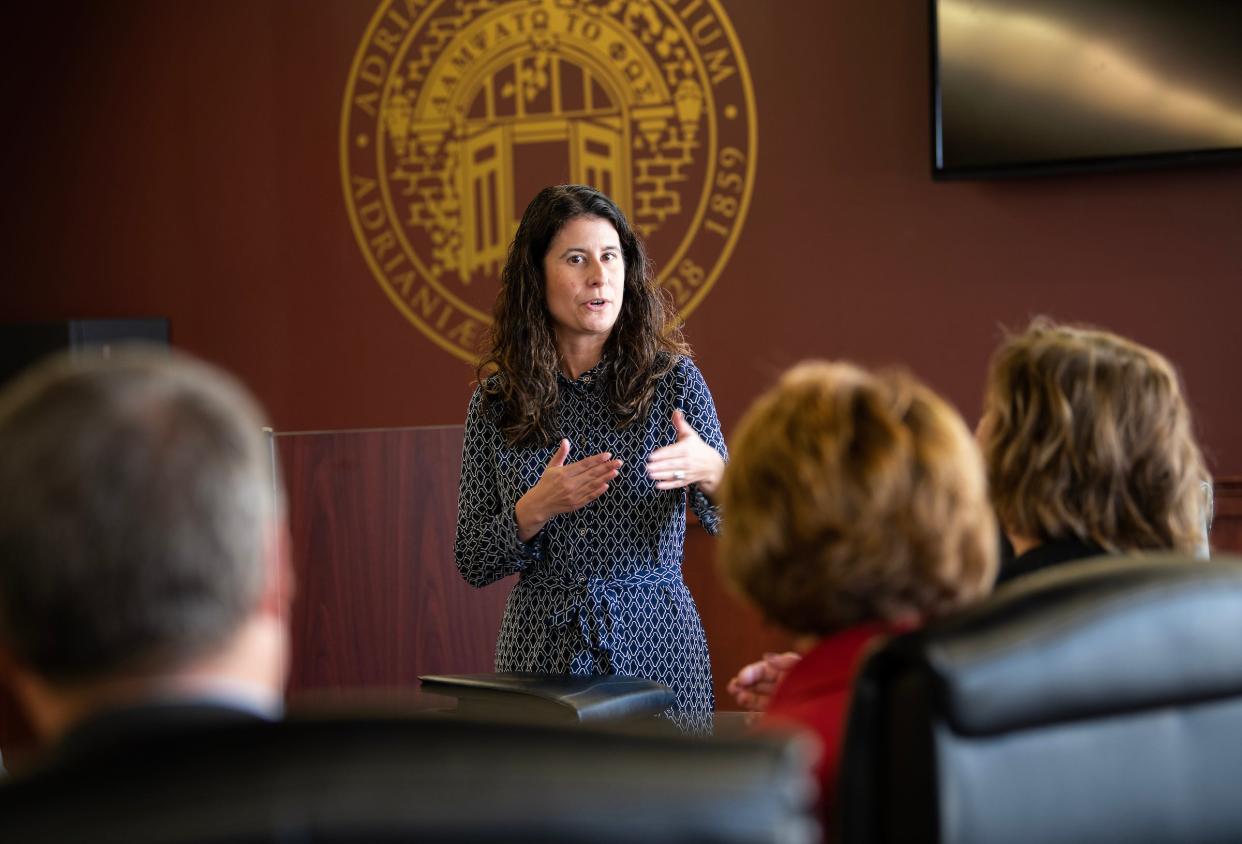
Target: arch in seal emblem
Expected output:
[457,111]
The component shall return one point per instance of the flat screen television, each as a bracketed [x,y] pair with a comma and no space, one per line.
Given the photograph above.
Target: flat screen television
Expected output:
[1031,86]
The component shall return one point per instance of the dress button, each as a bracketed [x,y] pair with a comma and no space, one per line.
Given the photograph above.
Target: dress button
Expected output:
[582,580]
[582,531]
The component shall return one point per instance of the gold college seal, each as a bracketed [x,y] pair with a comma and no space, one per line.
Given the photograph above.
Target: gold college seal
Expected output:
[458,111]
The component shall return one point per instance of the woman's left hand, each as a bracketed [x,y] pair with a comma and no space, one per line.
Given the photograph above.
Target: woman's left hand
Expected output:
[687,461]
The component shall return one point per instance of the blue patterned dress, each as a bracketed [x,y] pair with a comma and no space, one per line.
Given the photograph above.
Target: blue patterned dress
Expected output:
[600,589]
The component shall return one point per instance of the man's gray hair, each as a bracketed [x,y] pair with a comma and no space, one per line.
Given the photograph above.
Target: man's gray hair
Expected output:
[137,502]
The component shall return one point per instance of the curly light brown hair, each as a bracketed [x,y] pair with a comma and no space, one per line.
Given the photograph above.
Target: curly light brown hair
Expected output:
[1086,435]
[853,496]
[644,345]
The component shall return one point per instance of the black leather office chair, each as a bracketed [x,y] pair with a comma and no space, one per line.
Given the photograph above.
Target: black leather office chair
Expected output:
[426,779]
[1100,701]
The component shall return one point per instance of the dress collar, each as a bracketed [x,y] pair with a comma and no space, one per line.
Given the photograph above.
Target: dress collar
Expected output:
[586,379]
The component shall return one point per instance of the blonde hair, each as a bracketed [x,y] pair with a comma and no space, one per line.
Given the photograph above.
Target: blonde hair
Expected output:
[852,496]
[1086,435]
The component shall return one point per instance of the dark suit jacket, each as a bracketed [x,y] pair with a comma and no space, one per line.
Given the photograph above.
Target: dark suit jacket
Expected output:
[108,767]
[111,738]
[1051,553]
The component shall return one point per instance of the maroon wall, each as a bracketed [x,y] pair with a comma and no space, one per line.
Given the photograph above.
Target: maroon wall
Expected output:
[181,159]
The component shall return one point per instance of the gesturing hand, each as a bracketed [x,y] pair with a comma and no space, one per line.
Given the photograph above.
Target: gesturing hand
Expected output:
[687,461]
[563,488]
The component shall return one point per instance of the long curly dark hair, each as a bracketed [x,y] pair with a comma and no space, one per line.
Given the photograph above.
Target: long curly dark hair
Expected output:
[644,345]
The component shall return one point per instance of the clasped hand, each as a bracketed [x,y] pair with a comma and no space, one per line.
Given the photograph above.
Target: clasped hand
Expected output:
[565,487]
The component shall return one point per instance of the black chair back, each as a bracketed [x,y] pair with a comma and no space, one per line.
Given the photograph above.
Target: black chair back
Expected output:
[1097,701]
[427,779]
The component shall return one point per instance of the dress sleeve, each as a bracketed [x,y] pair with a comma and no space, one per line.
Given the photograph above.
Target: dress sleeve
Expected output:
[487,547]
[696,403]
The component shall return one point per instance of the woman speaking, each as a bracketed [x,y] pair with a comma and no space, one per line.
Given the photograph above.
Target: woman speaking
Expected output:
[589,431]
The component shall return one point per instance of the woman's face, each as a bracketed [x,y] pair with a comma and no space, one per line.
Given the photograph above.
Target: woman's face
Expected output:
[584,279]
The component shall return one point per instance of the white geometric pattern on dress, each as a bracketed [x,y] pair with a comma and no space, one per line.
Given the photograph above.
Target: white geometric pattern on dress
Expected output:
[601,590]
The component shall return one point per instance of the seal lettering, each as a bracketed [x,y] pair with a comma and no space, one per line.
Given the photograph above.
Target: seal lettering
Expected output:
[457,110]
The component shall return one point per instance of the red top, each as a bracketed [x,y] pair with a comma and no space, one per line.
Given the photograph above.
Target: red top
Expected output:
[815,695]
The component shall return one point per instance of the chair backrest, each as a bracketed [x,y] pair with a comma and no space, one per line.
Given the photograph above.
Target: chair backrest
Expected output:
[1099,701]
[430,779]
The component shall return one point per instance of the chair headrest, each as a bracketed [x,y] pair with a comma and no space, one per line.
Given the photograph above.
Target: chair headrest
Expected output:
[1113,634]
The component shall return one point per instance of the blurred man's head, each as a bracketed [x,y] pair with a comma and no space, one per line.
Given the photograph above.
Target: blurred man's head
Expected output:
[141,534]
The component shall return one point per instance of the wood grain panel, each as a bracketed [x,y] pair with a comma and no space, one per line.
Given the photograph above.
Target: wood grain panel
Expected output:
[378,599]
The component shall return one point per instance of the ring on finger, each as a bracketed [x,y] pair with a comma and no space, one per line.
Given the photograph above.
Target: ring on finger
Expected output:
[679,475]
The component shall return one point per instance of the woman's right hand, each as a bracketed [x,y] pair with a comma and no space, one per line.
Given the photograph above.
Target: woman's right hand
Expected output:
[563,488]
[753,686]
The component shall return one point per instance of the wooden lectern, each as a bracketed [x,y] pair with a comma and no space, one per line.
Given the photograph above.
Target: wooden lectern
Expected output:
[377,596]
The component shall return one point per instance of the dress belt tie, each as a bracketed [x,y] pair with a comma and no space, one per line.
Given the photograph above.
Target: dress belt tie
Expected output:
[587,599]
